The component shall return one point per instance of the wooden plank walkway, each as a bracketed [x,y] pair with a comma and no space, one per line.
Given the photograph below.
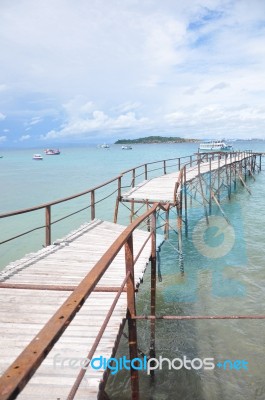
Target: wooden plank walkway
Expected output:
[161,189]
[24,311]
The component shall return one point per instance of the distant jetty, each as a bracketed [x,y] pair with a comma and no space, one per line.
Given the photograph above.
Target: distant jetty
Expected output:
[156,139]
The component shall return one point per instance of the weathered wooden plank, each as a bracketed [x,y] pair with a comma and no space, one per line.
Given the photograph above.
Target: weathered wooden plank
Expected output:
[24,311]
[162,188]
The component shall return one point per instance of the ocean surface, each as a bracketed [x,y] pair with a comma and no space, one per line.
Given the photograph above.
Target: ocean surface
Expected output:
[233,284]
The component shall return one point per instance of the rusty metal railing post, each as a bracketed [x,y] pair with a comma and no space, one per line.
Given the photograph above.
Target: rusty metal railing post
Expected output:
[153,263]
[165,167]
[179,223]
[117,201]
[185,202]
[210,186]
[153,289]
[47,225]
[133,177]
[93,214]
[218,178]
[132,202]
[131,312]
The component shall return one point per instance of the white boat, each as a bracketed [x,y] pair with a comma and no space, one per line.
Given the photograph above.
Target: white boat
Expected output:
[126,147]
[37,157]
[52,152]
[215,145]
[104,146]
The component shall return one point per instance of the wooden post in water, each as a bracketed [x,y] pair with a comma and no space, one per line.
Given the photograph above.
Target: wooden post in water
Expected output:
[131,312]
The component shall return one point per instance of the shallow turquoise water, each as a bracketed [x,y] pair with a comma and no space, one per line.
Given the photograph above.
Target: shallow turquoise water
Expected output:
[26,183]
[233,284]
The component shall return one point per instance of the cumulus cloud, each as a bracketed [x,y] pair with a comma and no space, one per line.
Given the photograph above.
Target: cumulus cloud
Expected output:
[2,139]
[78,126]
[35,120]
[148,65]
[2,116]
[24,137]
[209,120]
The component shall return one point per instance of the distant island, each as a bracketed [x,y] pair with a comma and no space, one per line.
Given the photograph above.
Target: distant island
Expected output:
[156,139]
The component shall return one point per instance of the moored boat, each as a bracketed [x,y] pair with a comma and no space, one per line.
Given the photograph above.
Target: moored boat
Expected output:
[52,152]
[126,147]
[215,145]
[37,157]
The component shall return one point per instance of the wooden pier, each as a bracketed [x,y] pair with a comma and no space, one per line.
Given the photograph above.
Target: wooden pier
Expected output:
[167,188]
[33,288]
[69,301]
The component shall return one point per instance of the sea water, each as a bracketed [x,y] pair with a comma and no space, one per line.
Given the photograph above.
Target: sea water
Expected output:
[231,285]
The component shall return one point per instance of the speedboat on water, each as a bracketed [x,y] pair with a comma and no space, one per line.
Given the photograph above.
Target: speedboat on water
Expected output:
[37,157]
[126,147]
[104,146]
[215,145]
[52,152]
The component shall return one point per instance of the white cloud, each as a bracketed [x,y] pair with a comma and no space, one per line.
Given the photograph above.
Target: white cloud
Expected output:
[24,137]
[2,116]
[35,120]
[97,121]
[143,65]
[2,139]
[209,121]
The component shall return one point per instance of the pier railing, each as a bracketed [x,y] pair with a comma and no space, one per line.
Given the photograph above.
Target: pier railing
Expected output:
[127,179]
[20,372]
[115,185]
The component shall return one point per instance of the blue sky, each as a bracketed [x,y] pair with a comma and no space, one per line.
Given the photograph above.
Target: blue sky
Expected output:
[97,70]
